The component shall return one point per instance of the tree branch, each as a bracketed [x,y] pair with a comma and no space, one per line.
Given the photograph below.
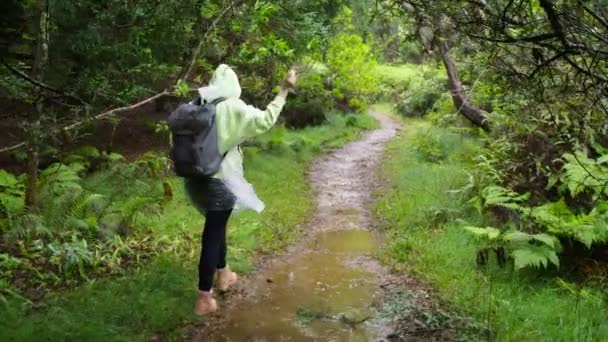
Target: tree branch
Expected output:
[39,84]
[462,103]
[115,111]
[553,17]
[197,50]
[547,62]
[593,14]
[530,39]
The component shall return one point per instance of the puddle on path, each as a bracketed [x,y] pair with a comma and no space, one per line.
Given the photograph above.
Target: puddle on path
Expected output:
[311,295]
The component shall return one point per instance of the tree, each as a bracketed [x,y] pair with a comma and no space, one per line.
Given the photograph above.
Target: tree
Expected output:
[352,63]
[436,32]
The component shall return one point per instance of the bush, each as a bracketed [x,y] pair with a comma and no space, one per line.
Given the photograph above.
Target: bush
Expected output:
[541,227]
[427,145]
[310,105]
[352,66]
[73,233]
[419,100]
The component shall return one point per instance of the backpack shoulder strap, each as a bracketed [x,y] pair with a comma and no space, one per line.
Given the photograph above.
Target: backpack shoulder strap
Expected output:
[218,100]
[215,102]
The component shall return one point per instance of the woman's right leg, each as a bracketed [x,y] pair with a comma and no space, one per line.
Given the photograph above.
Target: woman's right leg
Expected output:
[225,277]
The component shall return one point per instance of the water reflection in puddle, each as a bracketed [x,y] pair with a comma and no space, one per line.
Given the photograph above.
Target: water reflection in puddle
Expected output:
[316,294]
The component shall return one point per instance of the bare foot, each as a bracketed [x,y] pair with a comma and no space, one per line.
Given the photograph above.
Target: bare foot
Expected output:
[205,304]
[225,279]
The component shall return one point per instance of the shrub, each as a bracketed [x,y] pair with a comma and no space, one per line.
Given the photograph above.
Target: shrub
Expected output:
[70,234]
[351,64]
[428,146]
[532,231]
[419,100]
[311,103]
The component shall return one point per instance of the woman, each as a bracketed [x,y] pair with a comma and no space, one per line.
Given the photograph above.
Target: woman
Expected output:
[217,197]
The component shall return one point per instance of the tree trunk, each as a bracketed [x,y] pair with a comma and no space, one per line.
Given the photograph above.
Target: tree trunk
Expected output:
[40,62]
[473,113]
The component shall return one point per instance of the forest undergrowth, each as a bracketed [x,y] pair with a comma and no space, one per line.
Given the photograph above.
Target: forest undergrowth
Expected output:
[141,284]
[441,196]
[425,216]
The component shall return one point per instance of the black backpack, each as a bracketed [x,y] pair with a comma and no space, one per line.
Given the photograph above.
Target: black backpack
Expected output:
[195,151]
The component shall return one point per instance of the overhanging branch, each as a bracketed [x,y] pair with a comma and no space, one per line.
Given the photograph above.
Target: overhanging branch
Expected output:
[123,109]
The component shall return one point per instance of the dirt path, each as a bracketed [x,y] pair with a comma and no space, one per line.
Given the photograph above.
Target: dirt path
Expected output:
[328,287]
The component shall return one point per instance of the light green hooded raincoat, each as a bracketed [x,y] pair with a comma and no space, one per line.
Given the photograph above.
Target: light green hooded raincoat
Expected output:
[235,122]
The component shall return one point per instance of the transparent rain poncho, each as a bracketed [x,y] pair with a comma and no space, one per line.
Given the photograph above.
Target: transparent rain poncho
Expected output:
[235,122]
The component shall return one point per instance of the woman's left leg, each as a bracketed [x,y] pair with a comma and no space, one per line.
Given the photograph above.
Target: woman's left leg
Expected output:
[213,247]
[213,241]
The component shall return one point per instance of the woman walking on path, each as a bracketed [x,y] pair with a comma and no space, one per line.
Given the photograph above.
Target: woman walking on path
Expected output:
[217,196]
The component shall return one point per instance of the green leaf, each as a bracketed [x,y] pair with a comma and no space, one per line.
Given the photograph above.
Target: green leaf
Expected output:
[7,180]
[488,233]
[181,89]
[546,239]
[582,173]
[495,195]
[534,256]
[519,236]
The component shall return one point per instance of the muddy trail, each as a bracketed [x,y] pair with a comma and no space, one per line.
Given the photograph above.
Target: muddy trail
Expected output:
[329,286]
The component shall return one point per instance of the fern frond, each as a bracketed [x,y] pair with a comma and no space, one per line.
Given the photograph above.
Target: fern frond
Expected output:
[534,256]
[559,220]
[488,233]
[27,227]
[58,179]
[582,173]
[519,236]
[82,204]
[495,195]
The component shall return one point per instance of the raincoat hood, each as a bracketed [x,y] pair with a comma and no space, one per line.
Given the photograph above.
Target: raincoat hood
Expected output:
[223,84]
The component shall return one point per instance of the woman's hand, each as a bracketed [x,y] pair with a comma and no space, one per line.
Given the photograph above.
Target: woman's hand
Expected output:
[291,79]
[289,83]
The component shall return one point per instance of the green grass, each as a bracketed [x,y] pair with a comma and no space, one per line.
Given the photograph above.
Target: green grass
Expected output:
[397,73]
[157,299]
[424,221]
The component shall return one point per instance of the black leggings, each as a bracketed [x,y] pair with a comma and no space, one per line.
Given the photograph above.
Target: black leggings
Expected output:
[213,248]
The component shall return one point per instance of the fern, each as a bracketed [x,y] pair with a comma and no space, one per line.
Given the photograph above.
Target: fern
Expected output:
[534,256]
[138,204]
[527,250]
[69,211]
[495,195]
[82,204]
[522,237]
[558,219]
[27,227]
[83,154]
[488,233]
[581,173]
[12,191]
[59,179]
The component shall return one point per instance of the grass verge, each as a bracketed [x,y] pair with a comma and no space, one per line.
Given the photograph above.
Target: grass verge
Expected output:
[424,216]
[157,299]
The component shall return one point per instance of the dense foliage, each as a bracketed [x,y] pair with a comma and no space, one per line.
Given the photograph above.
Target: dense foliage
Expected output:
[537,68]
